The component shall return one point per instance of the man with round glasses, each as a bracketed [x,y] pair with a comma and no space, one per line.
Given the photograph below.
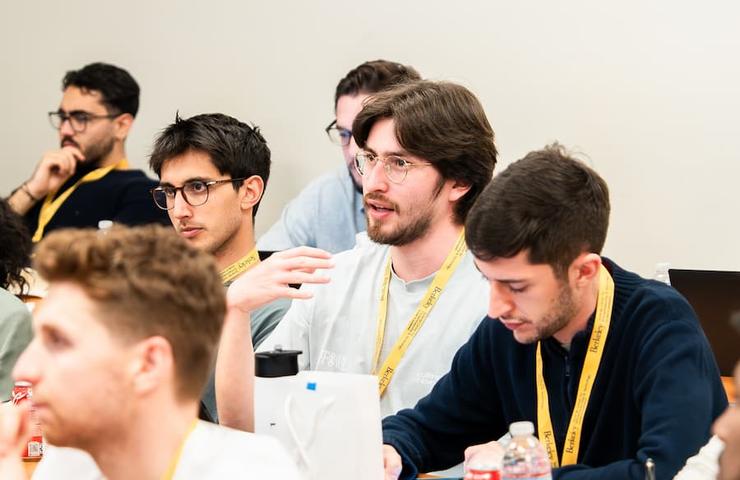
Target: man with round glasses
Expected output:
[213,170]
[329,212]
[88,178]
[405,299]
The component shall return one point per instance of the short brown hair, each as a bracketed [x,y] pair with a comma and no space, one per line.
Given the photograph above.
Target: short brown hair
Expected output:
[444,124]
[149,282]
[374,76]
[548,204]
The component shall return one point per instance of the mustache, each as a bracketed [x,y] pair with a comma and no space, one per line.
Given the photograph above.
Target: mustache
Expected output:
[68,140]
[379,197]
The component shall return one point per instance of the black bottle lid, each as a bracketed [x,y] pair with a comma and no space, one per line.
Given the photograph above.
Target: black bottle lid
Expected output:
[276,363]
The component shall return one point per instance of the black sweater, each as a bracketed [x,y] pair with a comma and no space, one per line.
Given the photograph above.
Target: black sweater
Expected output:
[121,196]
[656,393]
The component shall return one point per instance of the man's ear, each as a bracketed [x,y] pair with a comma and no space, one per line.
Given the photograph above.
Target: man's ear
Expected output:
[122,124]
[585,268]
[152,364]
[458,190]
[251,192]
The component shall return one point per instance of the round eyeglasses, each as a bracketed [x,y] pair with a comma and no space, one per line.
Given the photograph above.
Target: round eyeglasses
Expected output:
[77,119]
[396,168]
[338,135]
[194,193]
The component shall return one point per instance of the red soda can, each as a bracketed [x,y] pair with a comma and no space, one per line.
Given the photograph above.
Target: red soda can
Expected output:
[35,446]
[483,472]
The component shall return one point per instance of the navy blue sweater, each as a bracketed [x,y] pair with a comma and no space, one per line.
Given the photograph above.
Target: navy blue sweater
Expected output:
[121,196]
[656,393]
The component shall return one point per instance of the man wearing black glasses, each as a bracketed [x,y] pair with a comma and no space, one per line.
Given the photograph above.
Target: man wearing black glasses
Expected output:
[328,212]
[213,170]
[88,178]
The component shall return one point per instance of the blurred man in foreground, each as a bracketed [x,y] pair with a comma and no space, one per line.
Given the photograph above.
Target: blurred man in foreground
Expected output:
[124,342]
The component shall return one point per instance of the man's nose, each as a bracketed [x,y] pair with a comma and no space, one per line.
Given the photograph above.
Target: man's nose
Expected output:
[499,302]
[181,208]
[65,128]
[27,366]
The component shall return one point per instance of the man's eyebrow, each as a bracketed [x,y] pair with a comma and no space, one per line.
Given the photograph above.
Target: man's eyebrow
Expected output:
[188,180]
[507,281]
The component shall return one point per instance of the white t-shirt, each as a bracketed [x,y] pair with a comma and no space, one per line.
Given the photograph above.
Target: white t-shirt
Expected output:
[336,329]
[705,464]
[210,452]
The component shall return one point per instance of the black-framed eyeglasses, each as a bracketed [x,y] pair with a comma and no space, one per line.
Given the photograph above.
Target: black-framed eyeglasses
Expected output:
[396,168]
[78,119]
[338,135]
[194,193]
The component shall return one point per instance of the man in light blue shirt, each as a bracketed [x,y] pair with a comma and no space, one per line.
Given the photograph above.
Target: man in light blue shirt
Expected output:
[329,212]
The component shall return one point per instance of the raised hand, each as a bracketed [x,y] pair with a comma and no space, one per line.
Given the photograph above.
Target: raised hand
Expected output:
[53,170]
[271,279]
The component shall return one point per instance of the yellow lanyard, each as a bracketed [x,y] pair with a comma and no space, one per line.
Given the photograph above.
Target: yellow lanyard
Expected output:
[51,205]
[417,320]
[170,472]
[588,376]
[240,266]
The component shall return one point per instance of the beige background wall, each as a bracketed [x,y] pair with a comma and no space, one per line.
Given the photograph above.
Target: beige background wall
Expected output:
[650,91]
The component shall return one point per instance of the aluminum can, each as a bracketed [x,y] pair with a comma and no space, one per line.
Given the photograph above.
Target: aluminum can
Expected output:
[483,472]
[35,446]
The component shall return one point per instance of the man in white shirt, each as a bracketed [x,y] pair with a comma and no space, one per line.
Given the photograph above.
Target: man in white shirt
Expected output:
[124,342]
[427,151]
[329,212]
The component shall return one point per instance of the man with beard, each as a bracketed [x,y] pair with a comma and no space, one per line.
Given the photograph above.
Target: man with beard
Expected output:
[328,213]
[88,179]
[612,368]
[401,303]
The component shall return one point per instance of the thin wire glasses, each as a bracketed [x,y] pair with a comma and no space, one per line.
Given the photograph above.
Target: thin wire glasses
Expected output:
[78,119]
[338,135]
[194,193]
[396,168]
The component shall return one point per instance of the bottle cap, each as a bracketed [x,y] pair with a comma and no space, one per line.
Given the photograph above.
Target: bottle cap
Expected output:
[521,428]
[105,224]
[276,363]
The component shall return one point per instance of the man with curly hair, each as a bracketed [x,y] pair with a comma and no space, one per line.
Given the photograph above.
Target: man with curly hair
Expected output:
[124,342]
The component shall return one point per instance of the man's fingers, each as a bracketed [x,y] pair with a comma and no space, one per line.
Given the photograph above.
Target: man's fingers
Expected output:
[302,252]
[391,463]
[76,153]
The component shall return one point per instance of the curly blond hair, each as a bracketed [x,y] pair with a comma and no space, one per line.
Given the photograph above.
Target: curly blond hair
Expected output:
[149,282]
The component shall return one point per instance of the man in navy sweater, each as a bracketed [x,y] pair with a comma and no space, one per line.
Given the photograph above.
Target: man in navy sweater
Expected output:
[613,369]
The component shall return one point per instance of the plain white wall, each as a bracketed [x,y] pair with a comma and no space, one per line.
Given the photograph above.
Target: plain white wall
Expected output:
[649,91]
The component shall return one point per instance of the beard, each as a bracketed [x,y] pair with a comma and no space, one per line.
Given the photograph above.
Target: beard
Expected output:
[559,316]
[94,153]
[563,310]
[414,228]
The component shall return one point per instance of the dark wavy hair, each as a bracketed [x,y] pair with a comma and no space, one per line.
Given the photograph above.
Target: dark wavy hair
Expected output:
[235,148]
[374,76]
[15,253]
[119,89]
[548,204]
[442,123]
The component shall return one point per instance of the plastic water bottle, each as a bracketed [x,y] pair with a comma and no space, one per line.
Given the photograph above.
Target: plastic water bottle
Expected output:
[524,457]
[661,272]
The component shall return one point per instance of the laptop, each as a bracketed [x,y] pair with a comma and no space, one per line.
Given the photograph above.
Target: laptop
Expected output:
[715,297]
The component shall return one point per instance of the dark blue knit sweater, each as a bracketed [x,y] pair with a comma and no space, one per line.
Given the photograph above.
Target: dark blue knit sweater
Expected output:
[656,393]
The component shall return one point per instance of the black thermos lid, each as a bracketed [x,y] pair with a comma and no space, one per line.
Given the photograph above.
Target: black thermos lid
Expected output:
[276,363]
